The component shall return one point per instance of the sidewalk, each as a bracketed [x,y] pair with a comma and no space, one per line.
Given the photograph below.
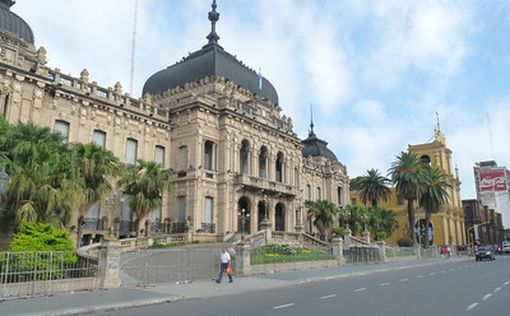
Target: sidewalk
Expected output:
[122,298]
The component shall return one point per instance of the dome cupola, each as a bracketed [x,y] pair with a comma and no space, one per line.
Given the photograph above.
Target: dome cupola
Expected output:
[211,60]
[12,23]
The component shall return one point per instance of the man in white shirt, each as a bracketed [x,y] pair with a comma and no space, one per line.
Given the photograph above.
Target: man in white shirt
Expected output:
[225,261]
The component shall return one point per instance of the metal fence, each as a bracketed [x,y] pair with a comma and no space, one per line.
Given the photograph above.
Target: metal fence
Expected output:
[179,265]
[355,255]
[399,252]
[31,273]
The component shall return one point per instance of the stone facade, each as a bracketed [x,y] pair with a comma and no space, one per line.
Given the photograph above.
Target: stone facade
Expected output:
[235,156]
[484,225]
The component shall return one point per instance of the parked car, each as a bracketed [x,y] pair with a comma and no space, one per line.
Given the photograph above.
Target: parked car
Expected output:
[485,253]
[506,246]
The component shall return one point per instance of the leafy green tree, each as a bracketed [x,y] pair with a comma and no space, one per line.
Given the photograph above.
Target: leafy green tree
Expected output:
[434,191]
[145,182]
[406,175]
[372,187]
[382,223]
[95,165]
[322,213]
[43,182]
[354,215]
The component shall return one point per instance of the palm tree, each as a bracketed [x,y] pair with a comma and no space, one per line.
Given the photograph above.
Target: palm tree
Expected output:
[372,187]
[323,214]
[434,192]
[145,182]
[406,175]
[95,164]
[382,223]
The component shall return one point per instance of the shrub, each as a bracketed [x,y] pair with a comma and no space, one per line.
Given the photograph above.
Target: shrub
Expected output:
[39,252]
[405,242]
[338,231]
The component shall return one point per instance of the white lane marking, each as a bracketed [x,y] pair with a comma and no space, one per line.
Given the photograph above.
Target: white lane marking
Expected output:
[506,283]
[360,289]
[419,276]
[385,284]
[404,279]
[470,307]
[486,296]
[497,289]
[283,306]
[432,273]
[327,296]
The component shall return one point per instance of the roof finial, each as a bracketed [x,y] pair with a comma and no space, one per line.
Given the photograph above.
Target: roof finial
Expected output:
[214,16]
[311,120]
[437,129]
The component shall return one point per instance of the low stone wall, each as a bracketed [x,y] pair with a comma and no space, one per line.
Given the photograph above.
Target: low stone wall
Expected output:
[282,267]
[47,287]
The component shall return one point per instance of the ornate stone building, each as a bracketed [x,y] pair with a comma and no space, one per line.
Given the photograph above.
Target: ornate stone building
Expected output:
[213,120]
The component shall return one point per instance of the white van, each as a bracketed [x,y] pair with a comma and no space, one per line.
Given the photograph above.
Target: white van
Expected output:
[505,246]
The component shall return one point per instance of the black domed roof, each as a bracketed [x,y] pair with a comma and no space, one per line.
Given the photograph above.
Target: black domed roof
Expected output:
[211,60]
[11,22]
[315,147]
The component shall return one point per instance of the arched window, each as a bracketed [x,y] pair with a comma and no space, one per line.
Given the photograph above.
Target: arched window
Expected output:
[208,155]
[279,167]
[244,155]
[425,159]
[263,162]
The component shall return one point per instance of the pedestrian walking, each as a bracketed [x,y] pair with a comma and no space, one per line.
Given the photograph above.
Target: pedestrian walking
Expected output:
[225,262]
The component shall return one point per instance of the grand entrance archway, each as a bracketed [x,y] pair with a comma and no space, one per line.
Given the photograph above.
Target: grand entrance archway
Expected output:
[262,213]
[424,235]
[280,217]
[243,215]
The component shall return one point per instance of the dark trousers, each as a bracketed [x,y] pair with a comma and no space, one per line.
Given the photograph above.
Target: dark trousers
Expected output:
[223,268]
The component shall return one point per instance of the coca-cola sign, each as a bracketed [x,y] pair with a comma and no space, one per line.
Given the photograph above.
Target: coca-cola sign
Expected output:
[492,180]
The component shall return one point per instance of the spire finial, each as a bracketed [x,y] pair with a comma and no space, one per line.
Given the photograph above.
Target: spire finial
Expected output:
[437,129]
[311,120]
[214,16]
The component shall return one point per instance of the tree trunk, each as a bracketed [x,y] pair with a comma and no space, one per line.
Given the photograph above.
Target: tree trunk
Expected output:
[411,218]
[428,216]
[80,232]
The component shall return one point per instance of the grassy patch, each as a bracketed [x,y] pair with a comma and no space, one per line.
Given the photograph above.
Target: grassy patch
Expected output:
[265,256]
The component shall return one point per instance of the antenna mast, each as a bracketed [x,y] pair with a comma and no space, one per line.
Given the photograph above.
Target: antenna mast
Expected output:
[133,47]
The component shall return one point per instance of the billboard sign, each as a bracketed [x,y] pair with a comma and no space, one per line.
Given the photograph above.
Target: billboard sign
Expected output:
[493,180]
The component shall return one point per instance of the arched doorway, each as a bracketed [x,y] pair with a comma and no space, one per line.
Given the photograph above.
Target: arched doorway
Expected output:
[280,217]
[243,215]
[424,234]
[261,207]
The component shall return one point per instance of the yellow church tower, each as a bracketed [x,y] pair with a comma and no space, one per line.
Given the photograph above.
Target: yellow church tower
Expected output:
[448,224]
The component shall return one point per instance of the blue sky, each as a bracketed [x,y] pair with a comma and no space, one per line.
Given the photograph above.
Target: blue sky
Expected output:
[376,71]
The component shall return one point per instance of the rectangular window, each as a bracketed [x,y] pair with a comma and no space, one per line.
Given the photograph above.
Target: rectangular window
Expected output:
[131,151]
[62,127]
[183,158]
[208,155]
[93,211]
[208,210]
[181,209]
[340,195]
[155,215]
[126,210]
[319,193]
[99,138]
[159,155]
[308,192]
[4,104]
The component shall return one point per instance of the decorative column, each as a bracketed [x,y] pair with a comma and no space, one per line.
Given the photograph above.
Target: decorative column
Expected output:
[337,243]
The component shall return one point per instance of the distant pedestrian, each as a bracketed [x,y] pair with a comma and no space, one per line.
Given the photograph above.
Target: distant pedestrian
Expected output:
[225,262]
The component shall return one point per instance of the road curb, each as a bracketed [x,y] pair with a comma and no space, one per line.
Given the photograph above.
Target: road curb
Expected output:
[108,307]
[346,275]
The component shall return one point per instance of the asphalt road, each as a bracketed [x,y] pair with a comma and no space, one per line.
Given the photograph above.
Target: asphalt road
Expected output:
[457,288]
